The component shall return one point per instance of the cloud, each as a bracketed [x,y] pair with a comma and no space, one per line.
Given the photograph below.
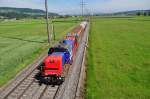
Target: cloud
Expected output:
[121,5]
[22,4]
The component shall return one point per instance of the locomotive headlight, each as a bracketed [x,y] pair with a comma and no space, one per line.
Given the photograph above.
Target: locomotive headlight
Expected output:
[60,78]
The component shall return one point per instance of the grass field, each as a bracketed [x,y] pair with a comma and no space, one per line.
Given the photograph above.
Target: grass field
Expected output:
[21,41]
[119,59]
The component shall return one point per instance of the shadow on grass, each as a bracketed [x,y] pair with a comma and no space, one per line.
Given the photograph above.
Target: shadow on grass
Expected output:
[67,21]
[21,39]
[139,20]
[22,24]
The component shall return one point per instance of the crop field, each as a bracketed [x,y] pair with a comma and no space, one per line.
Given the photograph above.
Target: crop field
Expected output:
[119,58]
[22,41]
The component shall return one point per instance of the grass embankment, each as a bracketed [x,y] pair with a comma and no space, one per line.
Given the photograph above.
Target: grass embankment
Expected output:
[20,43]
[119,59]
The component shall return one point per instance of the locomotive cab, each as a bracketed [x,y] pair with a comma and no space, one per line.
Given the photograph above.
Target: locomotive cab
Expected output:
[53,66]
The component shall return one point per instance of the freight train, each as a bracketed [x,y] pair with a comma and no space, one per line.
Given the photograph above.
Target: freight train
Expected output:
[61,56]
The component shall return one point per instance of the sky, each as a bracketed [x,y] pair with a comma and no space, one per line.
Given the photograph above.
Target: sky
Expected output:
[73,6]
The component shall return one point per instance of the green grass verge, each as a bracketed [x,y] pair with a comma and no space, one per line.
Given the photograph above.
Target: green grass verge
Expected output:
[22,41]
[119,59]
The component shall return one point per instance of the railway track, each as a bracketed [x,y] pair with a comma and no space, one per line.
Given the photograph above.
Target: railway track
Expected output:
[29,88]
[27,84]
[69,89]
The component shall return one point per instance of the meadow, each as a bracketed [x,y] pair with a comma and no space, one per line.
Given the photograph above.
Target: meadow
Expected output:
[118,57]
[21,41]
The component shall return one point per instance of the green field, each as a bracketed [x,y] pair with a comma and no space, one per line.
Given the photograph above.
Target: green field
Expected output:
[119,58]
[22,41]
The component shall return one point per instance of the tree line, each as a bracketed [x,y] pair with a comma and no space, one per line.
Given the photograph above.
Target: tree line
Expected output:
[144,14]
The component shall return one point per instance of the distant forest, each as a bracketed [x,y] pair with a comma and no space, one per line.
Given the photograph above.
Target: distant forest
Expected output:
[135,12]
[19,13]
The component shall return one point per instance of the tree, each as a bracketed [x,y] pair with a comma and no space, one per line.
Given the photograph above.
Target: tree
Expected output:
[145,14]
[138,13]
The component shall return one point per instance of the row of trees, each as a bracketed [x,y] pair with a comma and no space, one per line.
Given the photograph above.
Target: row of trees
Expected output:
[144,14]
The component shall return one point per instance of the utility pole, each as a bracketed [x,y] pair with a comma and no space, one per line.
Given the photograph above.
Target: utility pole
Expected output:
[82,7]
[53,30]
[82,4]
[47,22]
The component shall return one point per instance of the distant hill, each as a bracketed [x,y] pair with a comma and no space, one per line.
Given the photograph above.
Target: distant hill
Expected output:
[11,12]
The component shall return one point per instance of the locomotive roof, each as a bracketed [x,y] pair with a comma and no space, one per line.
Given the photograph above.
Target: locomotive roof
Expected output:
[61,45]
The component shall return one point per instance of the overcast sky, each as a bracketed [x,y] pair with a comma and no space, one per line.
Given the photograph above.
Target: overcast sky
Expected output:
[73,6]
